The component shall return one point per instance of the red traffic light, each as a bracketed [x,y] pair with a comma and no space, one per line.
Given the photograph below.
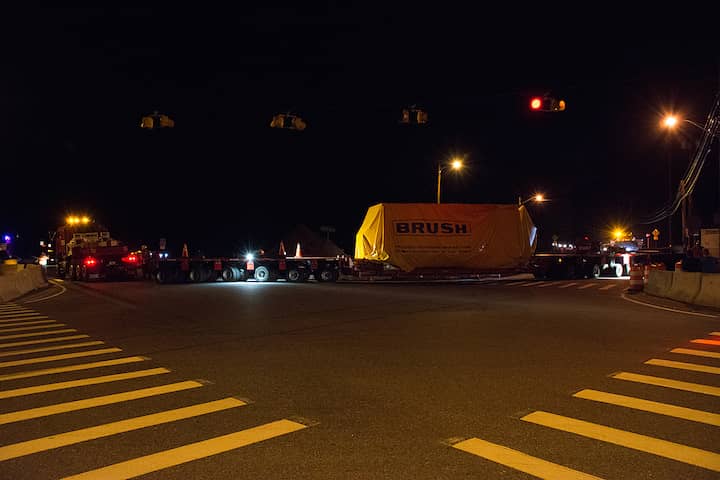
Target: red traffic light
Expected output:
[536,103]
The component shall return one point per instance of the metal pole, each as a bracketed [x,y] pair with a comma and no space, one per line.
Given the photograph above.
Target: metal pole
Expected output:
[438,183]
[669,164]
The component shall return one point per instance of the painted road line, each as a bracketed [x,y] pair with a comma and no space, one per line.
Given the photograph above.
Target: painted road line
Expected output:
[91,433]
[568,285]
[655,446]
[546,284]
[699,353]
[683,366]
[50,387]
[35,327]
[587,285]
[49,349]
[706,342]
[187,453]
[37,334]
[666,382]
[608,287]
[520,461]
[519,284]
[44,340]
[18,324]
[64,356]
[715,333]
[531,284]
[649,406]
[22,415]
[18,315]
[71,368]
[32,317]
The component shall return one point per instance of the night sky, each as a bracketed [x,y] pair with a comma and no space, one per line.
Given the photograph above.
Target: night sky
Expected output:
[76,82]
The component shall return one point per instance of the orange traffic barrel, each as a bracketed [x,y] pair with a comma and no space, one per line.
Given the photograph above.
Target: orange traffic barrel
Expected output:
[636,279]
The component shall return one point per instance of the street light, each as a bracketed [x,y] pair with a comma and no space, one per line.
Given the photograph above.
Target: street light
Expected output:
[455,164]
[671,121]
[538,198]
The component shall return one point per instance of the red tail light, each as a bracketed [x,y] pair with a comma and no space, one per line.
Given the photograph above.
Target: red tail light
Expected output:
[130,258]
[90,262]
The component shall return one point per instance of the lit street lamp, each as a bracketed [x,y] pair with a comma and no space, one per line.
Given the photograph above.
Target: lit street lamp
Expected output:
[455,164]
[538,198]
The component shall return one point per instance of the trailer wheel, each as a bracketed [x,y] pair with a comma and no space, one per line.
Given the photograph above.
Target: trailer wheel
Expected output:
[162,277]
[327,275]
[229,274]
[263,274]
[294,275]
[240,274]
[198,274]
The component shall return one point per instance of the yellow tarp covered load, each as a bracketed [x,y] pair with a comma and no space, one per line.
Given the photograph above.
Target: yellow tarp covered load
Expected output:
[414,236]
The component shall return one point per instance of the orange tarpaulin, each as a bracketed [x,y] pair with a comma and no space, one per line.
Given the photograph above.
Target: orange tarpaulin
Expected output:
[452,235]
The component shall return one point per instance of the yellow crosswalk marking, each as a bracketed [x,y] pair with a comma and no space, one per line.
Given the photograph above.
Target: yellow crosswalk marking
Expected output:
[18,314]
[22,415]
[521,461]
[53,358]
[684,366]
[666,382]
[91,433]
[698,353]
[650,406]
[187,453]
[36,334]
[49,349]
[655,446]
[44,340]
[587,285]
[71,368]
[32,317]
[568,285]
[608,287]
[19,392]
[706,342]
[34,327]
[20,324]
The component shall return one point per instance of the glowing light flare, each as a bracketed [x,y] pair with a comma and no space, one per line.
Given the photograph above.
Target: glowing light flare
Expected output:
[535,103]
[618,233]
[670,121]
[249,257]
[456,164]
[130,259]
[539,197]
[90,261]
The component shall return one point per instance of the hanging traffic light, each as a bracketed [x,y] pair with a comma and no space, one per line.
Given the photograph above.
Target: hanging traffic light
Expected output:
[147,122]
[156,120]
[414,116]
[547,103]
[288,121]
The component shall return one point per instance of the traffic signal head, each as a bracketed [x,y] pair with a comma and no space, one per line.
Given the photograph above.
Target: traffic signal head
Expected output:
[147,122]
[547,104]
[166,121]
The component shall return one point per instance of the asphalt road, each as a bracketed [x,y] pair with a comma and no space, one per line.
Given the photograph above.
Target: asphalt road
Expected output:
[349,381]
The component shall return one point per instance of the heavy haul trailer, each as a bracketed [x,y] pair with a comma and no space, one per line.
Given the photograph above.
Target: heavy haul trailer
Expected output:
[260,269]
[422,241]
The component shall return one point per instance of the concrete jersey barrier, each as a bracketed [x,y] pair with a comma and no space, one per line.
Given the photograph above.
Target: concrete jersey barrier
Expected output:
[659,282]
[709,295]
[15,282]
[685,286]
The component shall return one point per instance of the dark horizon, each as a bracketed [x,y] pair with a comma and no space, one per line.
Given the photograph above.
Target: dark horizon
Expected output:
[222,179]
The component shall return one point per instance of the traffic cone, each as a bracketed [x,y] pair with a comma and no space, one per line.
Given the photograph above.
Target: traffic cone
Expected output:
[185,251]
[281,252]
[298,252]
